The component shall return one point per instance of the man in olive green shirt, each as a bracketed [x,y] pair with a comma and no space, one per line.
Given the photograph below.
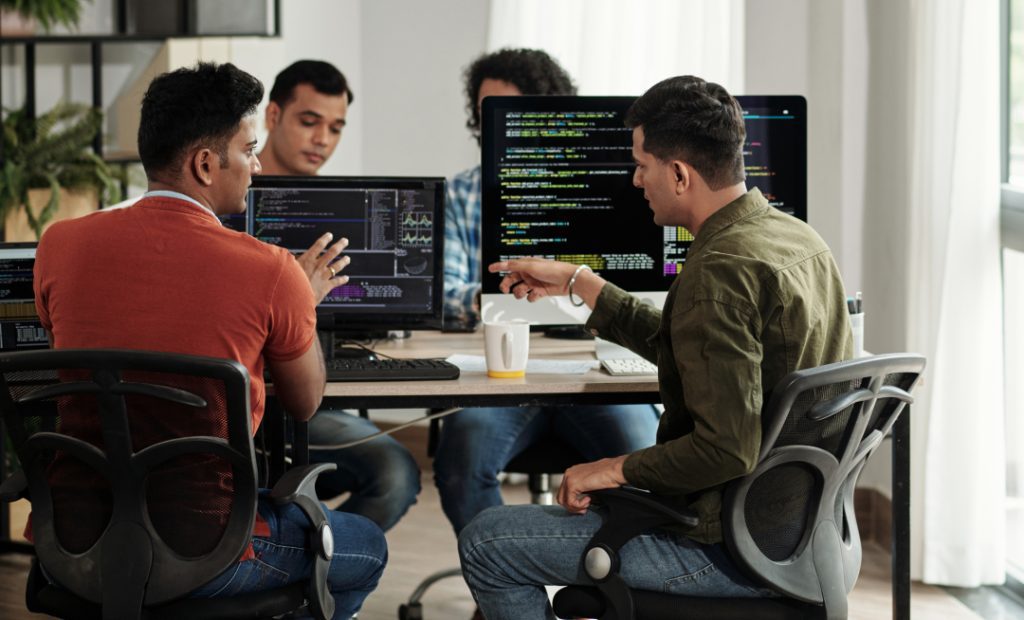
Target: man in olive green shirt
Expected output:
[758,297]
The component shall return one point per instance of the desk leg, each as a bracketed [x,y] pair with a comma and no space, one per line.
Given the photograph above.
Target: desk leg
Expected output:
[901,516]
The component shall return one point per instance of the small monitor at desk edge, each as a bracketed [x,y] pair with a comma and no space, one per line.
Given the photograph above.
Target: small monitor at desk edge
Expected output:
[395,228]
[557,182]
[20,327]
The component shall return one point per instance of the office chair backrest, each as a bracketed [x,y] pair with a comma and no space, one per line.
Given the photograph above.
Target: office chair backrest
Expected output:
[791,522]
[140,469]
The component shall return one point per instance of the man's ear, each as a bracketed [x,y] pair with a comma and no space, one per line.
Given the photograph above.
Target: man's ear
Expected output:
[272,116]
[683,176]
[201,166]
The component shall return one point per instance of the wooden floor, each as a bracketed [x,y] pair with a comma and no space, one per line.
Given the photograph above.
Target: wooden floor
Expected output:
[423,542]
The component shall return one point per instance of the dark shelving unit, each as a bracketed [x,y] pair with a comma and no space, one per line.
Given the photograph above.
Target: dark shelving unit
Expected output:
[96,43]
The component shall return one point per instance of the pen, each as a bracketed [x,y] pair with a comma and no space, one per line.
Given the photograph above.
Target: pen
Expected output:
[851,306]
[858,304]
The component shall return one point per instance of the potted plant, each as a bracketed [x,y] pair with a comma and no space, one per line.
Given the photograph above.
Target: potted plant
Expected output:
[47,13]
[48,165]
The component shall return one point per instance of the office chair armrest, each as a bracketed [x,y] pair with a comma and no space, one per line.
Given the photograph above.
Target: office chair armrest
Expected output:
[299,481]
[627,513]
[632,511]
[298,486]
[15,487]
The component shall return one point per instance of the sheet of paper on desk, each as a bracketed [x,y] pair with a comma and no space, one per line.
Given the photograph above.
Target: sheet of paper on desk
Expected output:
[476,363]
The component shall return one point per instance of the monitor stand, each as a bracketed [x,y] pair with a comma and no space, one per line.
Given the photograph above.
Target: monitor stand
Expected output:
[333,349]
[353,353]
[568,332]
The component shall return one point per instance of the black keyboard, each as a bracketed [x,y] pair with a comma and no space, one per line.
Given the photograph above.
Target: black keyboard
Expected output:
[341,369]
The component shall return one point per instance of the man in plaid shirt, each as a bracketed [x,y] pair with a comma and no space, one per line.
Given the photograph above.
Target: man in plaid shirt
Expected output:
[477,443]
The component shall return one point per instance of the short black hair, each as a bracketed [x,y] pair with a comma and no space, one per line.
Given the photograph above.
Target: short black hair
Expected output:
[201,105]
[322,76]
[694,121]
[533,72]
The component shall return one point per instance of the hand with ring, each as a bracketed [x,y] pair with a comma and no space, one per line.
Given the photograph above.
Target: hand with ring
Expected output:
[320,266]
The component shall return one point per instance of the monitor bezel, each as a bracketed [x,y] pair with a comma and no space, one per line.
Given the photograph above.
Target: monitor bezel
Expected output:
[371,322]
[19,246]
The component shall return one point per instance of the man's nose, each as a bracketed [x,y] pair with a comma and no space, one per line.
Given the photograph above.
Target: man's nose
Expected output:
[257,167]
[320,136]
[636,179]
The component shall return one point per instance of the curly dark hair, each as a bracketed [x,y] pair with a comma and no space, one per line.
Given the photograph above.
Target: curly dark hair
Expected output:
[322,76]
[201,105]
[533,72]
[694,121]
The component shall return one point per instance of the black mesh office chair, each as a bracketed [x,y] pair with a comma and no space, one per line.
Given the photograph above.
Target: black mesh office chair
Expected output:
[549,455]
[790,523]
[141,473]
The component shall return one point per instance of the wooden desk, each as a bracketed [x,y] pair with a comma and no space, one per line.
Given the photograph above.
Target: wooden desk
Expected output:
[471,389]
[476,389]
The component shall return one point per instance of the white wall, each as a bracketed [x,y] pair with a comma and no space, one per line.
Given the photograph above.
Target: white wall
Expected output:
[414,54]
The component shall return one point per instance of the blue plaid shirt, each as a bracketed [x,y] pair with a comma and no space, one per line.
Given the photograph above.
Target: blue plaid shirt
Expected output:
[462,269]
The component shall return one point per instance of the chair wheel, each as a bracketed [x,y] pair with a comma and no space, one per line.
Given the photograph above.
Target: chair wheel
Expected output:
[412,611]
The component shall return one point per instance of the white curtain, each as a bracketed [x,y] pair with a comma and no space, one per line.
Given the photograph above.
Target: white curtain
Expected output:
[955,288]
[611,47]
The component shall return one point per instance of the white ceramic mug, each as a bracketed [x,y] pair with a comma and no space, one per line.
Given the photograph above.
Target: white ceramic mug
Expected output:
[506,348]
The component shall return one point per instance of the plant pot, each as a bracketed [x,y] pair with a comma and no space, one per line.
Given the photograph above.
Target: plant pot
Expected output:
[12,24]
[72,204]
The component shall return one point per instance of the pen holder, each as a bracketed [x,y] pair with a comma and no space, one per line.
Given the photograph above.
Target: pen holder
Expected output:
[857,327]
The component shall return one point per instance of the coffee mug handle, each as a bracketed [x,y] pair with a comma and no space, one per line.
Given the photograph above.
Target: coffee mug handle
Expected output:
[506,348]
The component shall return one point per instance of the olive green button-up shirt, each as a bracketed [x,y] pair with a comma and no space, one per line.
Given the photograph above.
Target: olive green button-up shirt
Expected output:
[759,296]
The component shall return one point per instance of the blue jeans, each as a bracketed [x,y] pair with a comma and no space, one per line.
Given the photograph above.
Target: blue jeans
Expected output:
[510,553]
[360,553]
[476,444]
[381,475]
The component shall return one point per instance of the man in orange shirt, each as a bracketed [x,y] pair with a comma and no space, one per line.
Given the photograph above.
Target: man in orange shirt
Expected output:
[166,275]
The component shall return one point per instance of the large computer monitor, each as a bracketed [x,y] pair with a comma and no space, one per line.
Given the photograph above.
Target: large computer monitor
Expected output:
[395,228]
[20,328]
[557,182]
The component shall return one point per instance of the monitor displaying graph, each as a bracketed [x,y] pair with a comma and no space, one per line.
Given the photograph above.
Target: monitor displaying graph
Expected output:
[395,230]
